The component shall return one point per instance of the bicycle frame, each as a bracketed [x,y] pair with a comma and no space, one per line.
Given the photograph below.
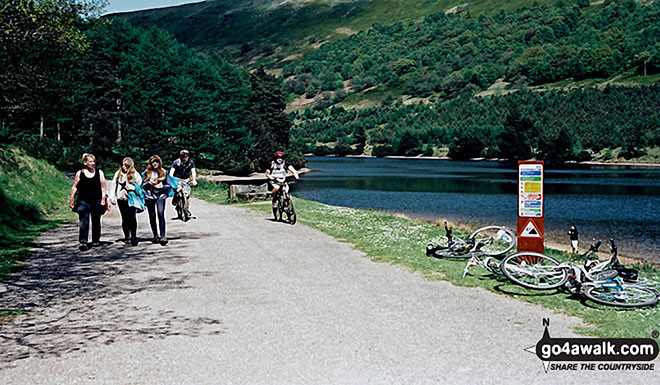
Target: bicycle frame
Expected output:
[284,190]
[458,244]
[486,241]
[487,263]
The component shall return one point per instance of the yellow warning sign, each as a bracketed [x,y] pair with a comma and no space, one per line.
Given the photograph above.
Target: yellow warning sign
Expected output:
[533,187]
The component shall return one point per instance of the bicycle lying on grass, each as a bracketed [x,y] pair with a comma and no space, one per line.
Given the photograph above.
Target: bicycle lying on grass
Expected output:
[607,282]
[490,241]
[489,263]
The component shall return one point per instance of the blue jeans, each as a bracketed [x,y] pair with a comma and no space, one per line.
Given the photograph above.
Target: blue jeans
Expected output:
[152,206]
[85,210]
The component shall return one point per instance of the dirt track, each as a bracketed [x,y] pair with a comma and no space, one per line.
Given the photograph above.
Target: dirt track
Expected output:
[238,299]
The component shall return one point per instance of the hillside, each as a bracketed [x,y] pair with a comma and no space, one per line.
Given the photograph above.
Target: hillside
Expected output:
[272,32]
[410,68]
[33,197]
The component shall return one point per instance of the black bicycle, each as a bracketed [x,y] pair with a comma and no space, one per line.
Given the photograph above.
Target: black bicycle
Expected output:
[180,200]
[284,203]
[493,241]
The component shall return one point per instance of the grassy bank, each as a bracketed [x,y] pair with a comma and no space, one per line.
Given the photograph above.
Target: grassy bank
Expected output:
[390,238]
[211,192]
[34,198]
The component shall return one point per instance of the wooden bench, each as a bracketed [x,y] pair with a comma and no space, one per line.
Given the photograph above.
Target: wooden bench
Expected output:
[249,192]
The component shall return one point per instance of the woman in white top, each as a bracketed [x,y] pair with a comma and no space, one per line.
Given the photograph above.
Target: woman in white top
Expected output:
[123,182]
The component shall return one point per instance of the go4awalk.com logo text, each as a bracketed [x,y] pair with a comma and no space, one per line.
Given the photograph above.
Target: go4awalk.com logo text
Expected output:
[595,353]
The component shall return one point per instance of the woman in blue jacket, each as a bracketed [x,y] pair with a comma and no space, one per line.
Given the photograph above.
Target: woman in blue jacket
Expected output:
[125,182]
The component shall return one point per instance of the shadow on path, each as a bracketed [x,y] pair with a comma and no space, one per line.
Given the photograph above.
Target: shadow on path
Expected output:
[75,298]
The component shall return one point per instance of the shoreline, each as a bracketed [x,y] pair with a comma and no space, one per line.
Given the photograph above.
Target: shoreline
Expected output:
[590,163]
[231,179]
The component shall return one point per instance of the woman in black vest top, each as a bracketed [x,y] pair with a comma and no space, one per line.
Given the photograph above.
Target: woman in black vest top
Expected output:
[89,185]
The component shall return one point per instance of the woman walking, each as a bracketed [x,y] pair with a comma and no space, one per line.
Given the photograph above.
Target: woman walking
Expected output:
[125,182]
[156,190]
[89,186]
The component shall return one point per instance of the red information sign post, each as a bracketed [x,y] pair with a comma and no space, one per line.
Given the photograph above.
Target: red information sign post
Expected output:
[530,206]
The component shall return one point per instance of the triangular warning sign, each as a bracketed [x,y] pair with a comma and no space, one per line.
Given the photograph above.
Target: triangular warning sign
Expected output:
[530,231]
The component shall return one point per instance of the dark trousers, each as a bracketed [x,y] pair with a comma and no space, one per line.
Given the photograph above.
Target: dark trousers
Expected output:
[152,205]
[85,210]
[128,219]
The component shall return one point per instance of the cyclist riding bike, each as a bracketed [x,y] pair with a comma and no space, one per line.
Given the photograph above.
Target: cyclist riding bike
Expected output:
[277,174]
[184,169]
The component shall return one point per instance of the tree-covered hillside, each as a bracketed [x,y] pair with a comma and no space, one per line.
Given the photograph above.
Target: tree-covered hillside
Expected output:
[445,55]
[359,92]
[70,84]
[270,32]
[471,75]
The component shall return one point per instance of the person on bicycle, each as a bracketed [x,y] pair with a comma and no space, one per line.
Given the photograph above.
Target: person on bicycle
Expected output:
[184,168]
[277,173]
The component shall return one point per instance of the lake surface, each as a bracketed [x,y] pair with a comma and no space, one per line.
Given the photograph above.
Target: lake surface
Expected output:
[604,203]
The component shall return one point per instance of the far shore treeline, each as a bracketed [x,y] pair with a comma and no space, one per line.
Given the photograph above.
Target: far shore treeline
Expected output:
[557,126]
[72,82]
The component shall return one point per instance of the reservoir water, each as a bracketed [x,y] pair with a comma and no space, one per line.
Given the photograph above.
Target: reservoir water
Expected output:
[613,202]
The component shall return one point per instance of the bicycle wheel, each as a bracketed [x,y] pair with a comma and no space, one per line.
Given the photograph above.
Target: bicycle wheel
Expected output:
[496,240]
[179,209]
[534,271]
[624,296]
[277,209]
[291,212]
[280,208]
[458,250]
[184,212]
[604,275]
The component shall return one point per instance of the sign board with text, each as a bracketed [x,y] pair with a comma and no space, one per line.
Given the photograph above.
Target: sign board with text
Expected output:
[530,206]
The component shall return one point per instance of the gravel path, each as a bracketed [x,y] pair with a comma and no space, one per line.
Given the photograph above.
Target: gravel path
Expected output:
[238,299]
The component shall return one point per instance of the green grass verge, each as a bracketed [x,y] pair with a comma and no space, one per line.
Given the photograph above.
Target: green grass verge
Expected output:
[211,192]
[34,198]
[8,312]
[389,238]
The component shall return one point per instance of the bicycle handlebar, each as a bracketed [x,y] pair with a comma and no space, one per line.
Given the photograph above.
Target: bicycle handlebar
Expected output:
[594,246]
[448,234]
[289,179]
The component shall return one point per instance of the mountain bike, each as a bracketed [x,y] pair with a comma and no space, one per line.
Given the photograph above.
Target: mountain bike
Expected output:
[605,282]
[490,241]
[180,200]
[284,203]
